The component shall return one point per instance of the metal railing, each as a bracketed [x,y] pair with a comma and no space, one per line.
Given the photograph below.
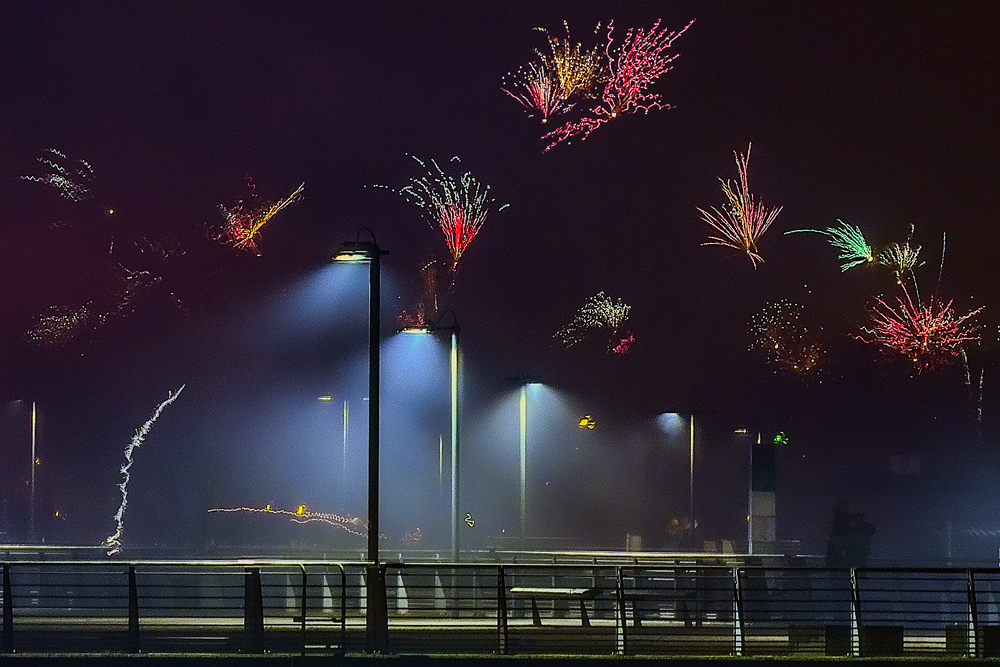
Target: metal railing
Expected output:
[675,607]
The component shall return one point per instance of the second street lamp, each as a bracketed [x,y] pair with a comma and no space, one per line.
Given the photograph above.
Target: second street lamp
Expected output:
[455,448]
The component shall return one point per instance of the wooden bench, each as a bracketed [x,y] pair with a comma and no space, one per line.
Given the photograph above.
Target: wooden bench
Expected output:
[534,594]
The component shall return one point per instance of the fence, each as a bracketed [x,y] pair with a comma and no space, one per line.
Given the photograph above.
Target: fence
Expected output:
[679,607]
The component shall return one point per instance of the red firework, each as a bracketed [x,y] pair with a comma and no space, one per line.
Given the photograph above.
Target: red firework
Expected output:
[927,335]
[638,62]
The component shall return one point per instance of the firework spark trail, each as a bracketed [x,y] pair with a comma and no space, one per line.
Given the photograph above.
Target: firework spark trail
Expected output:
[457,206]
[900,259]
[578,71]
[61,325]
[854,249]
[542,91]
[599,312]
[114,541]
[636,65]
[744,221]
[778,332]
[243,225]
[71,181]
[351,524]
[925,334]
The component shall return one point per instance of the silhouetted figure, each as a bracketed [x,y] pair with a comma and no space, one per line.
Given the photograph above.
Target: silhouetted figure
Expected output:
[850,539]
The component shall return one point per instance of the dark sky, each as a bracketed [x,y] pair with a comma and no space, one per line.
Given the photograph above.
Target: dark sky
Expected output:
[881,114]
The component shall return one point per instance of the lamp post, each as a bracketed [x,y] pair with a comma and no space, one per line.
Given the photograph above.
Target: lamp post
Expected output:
[377,614]
[523,383]
[455,449]
[360,252]
[34,463]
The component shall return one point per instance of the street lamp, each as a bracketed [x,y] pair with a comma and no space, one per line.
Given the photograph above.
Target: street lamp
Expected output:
[377,614]
[455,449]
[34,463]
[669,421]
[355,252]
[524,382]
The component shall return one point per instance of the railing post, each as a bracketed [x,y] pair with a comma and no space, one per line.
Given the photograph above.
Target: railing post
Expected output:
[973,640]
[737,613]
[253,611]
[855,615]
[133,612]
[501,611]
[621,614]
[7,641]
[376,610]
[303,607]
[343,609]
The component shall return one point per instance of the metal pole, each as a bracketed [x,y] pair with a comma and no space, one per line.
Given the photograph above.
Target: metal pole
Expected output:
[33,422]
[524,459]
[691,477]
[455,450]
[343,460]
[750,500]
[374,327]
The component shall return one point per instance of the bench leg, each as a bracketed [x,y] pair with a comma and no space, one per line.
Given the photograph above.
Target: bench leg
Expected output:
[536,619]
[584,619]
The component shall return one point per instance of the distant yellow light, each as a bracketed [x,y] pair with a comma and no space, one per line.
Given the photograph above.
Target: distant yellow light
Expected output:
[326,398]
[587,421]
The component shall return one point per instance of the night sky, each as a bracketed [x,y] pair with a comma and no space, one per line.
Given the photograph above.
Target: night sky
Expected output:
[881,114]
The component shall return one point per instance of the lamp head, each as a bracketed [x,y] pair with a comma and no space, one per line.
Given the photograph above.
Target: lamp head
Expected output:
[358,251]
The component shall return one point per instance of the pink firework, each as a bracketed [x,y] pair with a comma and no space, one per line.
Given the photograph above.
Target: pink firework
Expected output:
[541,91]
[740,224]
[927,335]
[642,57]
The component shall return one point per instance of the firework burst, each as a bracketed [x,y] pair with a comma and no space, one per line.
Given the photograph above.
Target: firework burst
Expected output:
[61,325]
[851,242]
[244,220]
[577,70]
[779,332]
[743,221]
[927,335]
[633,67]
[540,89]
[599,313]
[901,259]
[458,206]
[71,179]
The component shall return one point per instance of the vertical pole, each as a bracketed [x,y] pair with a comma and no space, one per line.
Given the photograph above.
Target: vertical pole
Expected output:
[7,639]
[455,452]
[33,430]
[343,461]
[856,647]
[973,622]
[524,460]
[691,477]
[133,612]
[502,638]
[737,613]
[750,500]
[374,326]
[253,611]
